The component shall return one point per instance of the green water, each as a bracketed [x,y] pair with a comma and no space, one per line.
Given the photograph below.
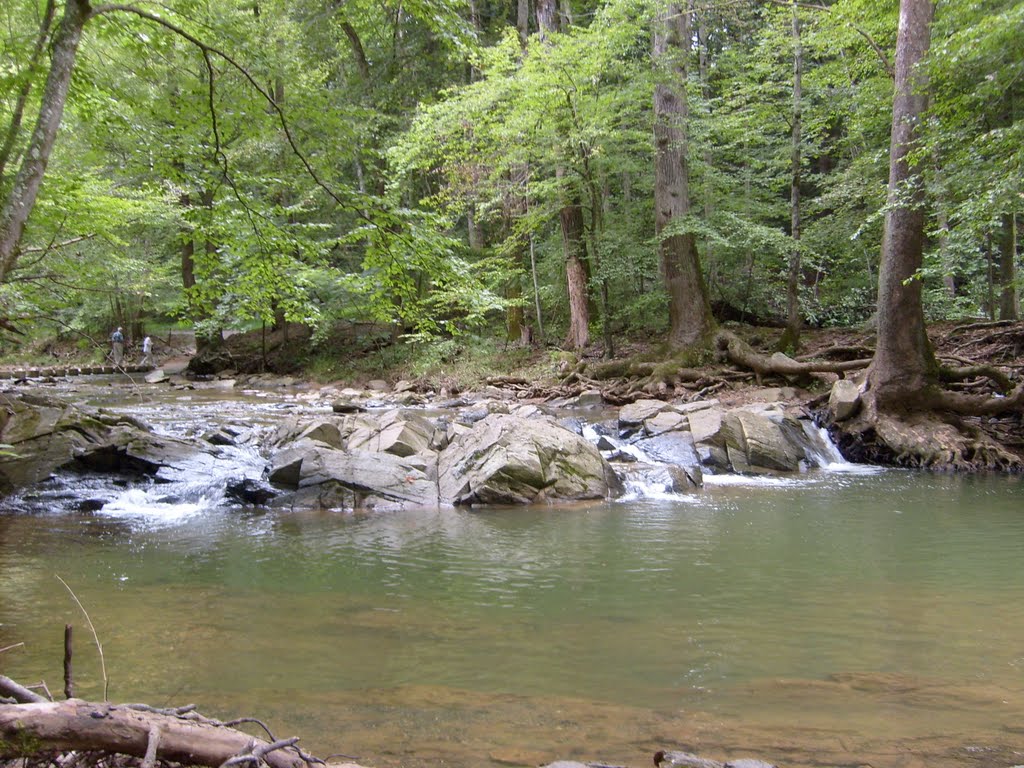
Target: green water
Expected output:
[840,619]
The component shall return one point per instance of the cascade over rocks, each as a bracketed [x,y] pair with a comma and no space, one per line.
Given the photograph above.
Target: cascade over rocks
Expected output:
[487,452]
[45,434]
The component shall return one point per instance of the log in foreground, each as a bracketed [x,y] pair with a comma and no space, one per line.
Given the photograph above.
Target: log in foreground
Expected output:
[182,737]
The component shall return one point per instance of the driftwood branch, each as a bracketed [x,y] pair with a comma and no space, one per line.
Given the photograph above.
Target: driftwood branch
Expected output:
[19,692]
[82,725]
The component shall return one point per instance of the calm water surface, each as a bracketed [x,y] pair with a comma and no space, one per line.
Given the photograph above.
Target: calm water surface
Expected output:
[835,619]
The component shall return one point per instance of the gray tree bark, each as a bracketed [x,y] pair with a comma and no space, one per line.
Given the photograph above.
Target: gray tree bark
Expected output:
[904,363]
[22,197]
[1009,296]
[690,319]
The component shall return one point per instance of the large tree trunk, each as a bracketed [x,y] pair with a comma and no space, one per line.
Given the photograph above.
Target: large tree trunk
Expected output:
[794,322]
[689,310]
[904,364]
[1009,298]
[547,17]
[571,220]
[523,20]
[14,127]
[22,197]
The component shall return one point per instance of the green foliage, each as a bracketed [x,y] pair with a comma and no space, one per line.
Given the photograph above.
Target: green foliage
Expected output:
[411,122]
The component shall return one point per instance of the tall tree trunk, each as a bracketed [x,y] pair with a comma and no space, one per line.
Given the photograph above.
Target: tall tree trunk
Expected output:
[570,218]
[1009,298]
[523,20]
[14,127]
[22,197]
[690,319]
[948,280]
[547,18]
[794,322]
[904,363]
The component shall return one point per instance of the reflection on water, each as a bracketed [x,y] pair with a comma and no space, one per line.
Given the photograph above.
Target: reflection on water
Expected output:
[861,616]
[834,619]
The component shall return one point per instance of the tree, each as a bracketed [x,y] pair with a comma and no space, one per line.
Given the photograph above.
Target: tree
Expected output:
[904,364]
[690,319]
[902,386]
[21,199]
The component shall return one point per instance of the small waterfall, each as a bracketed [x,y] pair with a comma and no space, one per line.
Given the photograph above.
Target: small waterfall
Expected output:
[822,453]
[642,476]
[819,448]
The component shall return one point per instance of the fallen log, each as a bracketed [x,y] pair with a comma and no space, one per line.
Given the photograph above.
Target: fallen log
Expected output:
[180,736]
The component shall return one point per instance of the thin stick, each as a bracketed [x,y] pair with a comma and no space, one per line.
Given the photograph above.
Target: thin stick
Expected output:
[69,679]
[95,637]
[12,647]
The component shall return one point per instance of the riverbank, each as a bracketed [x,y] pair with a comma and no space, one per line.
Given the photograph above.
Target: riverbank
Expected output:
[985,358]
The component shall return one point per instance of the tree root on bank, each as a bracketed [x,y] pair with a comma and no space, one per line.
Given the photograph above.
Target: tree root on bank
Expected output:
[932,436]
[963,373]
[742,354]
[167,735]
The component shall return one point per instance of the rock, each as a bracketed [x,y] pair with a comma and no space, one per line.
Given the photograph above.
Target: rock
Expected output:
[669,478]
[665,421]
[346,406]
[404,386]
[156,377]
[633,415]
[683,760]
[250,491]
[378,385]
[756,442]
[591,398]
[504,459]
[46,434]
[844,400]
[359,478]
[675,448]
[326,432]
[397,432]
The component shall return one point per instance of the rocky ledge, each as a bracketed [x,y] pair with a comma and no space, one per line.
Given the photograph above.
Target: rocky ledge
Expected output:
[470,452]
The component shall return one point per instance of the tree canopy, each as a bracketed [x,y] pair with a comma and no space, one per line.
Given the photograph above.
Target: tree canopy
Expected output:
[433,167]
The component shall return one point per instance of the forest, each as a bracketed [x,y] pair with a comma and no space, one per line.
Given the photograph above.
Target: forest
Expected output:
[577,174]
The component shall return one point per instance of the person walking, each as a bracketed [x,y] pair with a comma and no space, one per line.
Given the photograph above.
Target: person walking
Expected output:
[117,346]
[147,351]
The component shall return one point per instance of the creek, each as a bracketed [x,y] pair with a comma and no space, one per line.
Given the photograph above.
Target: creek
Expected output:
[845,617]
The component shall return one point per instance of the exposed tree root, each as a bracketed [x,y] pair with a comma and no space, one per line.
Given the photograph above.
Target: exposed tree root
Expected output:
[932,436]
[963,373]
[778,364]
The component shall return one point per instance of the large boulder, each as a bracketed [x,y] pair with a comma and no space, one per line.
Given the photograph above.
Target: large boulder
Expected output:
[756,442]
[633,415]
[354,479]
[396,432]
[844,400]
[507,459]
